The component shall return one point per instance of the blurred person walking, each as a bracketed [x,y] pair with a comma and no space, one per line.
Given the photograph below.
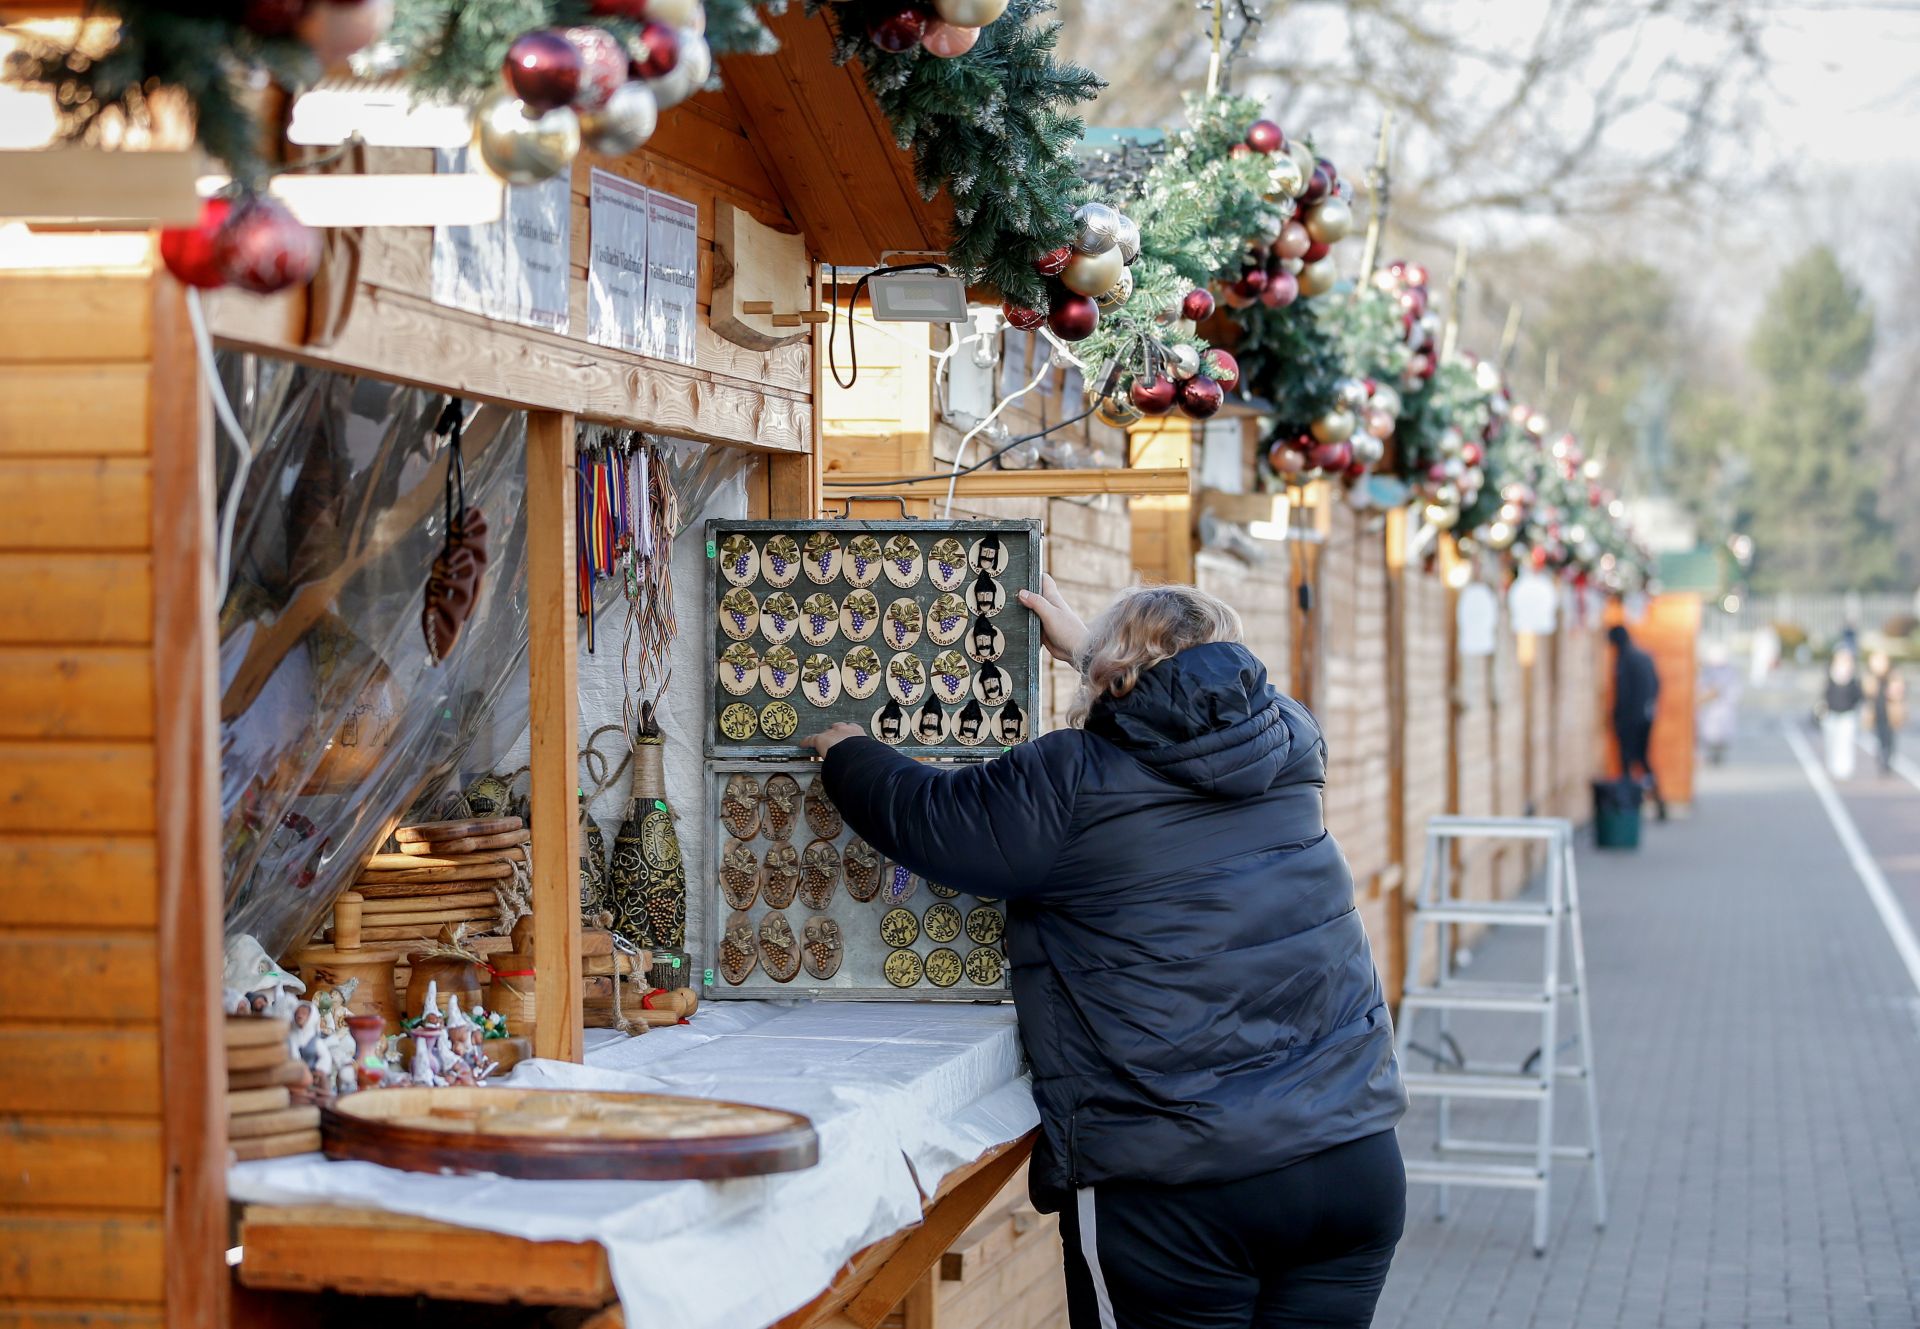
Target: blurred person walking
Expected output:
[1840,714]
[1720,687]
[1887,690]
[1636,695]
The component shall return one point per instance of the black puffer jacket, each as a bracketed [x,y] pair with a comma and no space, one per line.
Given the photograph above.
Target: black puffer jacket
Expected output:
[1195,991]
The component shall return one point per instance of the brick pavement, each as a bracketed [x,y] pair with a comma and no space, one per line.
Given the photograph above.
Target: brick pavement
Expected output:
[1759,1053]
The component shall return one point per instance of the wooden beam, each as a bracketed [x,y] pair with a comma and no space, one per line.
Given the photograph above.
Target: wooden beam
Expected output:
[1022,484]
[554,717]
[407,339]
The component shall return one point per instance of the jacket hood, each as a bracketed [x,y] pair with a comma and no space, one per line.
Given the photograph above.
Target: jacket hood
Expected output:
[1206,718]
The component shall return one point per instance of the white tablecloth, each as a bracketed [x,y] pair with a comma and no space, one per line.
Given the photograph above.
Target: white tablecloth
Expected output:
[900,1095]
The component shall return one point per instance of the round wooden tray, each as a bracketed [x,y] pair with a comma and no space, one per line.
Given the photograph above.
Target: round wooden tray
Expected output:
[571,1134]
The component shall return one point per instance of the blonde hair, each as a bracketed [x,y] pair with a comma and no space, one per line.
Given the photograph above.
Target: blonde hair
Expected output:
[1146,625]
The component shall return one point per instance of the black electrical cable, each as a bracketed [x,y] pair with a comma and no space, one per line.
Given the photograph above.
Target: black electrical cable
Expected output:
[853,298]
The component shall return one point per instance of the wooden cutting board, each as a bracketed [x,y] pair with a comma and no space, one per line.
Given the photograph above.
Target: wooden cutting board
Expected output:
[456,830]
[376,910]
[283,1121]
[471,844]
[257,1058]
[276,1146]
[417,890]
[270,1099]
[410,862]
[288,1071]
[475,871]
[254,1031]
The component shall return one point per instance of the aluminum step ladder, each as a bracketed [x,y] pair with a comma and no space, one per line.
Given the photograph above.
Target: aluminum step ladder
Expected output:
[1438,913]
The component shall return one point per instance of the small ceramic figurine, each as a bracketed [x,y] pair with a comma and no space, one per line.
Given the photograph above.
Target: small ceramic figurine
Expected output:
[249,969]
[331,1003]
[429,1066]
[305,1043]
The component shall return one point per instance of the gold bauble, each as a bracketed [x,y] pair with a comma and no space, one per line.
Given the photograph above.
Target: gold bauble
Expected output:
[1333,427]
[522,149]
[1318,278]
[1283,176]
[1116,411]
[1119,293]
[963,13]
[1303,158]
[1329,222]
[1093,274]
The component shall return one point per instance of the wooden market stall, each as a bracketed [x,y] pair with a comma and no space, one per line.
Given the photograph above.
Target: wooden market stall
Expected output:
[114,1184]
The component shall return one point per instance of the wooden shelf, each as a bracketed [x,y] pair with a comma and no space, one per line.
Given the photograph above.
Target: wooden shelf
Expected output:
[1020,484]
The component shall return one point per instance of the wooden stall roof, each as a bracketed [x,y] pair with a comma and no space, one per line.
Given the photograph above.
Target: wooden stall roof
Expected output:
[828,148]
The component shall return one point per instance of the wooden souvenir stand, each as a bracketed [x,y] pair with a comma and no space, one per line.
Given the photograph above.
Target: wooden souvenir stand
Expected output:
[112,1118]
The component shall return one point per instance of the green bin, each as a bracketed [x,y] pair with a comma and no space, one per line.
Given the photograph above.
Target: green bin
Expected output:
[1616,814]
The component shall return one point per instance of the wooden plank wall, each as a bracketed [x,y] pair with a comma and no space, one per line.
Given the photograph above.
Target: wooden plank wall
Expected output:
[1427,756]
[111,1138]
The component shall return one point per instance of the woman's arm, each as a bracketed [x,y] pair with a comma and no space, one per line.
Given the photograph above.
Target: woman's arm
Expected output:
[993,829]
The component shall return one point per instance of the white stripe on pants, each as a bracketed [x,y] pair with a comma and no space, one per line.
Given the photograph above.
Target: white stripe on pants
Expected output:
[1090,1252]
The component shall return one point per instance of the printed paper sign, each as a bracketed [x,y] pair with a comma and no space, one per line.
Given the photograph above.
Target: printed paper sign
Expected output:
[467,261]
[617,267]
[1533,604]
[1476,615]
[514,269]
[673,273]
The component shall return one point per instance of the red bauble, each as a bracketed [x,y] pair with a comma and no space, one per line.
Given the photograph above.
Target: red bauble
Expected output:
[1472,454]
[1413,301]
[1283,288]
[1152,396]
[1416,275]
[273,18]
[1333,175]
[1332,456]
[618,8]
[1073,317]
[1197,305]
[1319,186]
[1054,261]
[1316,251]
[264,248]
[1251,283]
[543,68]
[1233,299]
[1199,397]
[897,28]
[656,50]
[188,251]
[1437,472]
[1286,459]
[1265,136]
[1221,367]
[1022,317]
[1239,150]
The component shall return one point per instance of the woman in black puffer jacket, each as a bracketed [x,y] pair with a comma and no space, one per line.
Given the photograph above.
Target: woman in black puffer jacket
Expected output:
[1210,1044]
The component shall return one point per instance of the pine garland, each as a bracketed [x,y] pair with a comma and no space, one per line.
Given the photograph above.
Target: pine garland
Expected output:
[995,127]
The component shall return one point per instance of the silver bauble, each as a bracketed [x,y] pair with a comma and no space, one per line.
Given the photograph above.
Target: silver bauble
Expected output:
[1096,228]
[1387,398]
[1093,274]
[1182,360]
[1184,327]
[1443,515]
[1333,427]
[523,149]
[1453,468]
[624,123]
[1367,449]
[1128,239]
[688,75]
[1118,293]
[1350,393]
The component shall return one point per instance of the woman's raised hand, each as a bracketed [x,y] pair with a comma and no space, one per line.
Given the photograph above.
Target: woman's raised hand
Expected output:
[1061,631]
[825,739]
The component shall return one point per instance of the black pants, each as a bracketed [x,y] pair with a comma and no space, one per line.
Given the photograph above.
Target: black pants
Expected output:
[1306,1245]
[1634,740]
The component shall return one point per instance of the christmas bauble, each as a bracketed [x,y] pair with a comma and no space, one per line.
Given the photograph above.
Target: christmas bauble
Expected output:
[1316,250]
[1335,426]
[1319,185]
[617,8]
[523,149]
[273,18]
[188,251]
[1378,423]
[1282,289]
[1294,240]
[897,28]
[1232,298]
[1128,240]
[689,73]
[1283,177]
[544,70]
[1387,399]
[1073,317]
[1152,396]
[1291,266]
[1183,361]
[1413,301]
[1117,412]
[1198,397]
[1251,284]
[1367,449]
[1416,275]
[1286,459]
[1350,393]
[675,13]
[1330,221]
[655,50]
[1444,515]
[264,248]
[970,13]
[1094,274]
[1318,278]
[947,40]
[1096,228]
[1054,261]
[1221,367]
[1265,136]
[1197,304]
[603,66]
[1331,456]
[1472,454]
[1022,317]
[1303,157]
[1119,293]
[335,29]
[624,122]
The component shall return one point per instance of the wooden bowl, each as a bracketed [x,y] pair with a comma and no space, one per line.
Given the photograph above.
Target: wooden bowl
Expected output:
[566,1134]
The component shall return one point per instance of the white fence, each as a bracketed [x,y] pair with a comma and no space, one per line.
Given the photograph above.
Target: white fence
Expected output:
[1821,616]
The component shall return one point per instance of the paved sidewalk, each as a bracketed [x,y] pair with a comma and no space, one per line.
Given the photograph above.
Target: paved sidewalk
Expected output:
[1759,1055]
